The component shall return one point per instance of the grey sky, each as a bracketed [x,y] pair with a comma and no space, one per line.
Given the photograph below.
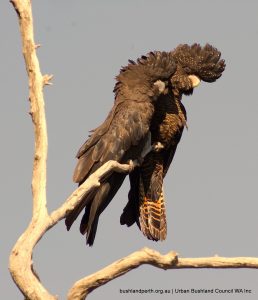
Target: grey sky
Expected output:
[211,188]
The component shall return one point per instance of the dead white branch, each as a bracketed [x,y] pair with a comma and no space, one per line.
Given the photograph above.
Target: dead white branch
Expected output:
[83,287]
[20,264]
[21,256]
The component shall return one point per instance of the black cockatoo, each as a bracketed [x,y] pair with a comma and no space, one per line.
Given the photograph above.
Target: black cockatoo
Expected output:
[147,109]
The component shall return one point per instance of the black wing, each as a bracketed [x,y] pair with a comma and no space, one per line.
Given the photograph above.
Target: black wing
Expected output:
[121,137]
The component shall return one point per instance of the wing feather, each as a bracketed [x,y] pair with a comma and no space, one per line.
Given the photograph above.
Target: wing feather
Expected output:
[129,125]
[121,138]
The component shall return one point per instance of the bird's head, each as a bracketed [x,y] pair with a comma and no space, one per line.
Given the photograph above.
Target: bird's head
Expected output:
[182,82]
[195,63]
[181,70]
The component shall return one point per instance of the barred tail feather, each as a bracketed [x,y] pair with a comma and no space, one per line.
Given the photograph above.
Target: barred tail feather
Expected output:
[153,216]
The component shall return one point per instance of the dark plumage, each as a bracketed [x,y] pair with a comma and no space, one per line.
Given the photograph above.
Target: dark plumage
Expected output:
[147,108]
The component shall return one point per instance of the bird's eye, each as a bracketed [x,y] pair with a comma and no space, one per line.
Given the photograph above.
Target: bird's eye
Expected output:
[187,70]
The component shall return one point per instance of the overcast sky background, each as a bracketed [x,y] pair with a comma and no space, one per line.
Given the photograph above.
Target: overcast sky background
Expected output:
[211,188]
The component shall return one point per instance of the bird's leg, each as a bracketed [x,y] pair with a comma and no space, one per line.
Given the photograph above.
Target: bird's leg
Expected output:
[148,147]
[157,147]
[132,164]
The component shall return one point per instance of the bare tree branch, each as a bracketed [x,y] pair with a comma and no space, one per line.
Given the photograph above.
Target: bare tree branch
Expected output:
[83,287]
[20,264]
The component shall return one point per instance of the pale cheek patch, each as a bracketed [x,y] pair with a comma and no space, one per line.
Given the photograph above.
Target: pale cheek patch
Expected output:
[195,80]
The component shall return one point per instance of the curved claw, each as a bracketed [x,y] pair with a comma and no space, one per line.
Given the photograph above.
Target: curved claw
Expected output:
[157,147]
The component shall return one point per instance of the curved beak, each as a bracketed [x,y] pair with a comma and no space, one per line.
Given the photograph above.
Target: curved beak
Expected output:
[195,80]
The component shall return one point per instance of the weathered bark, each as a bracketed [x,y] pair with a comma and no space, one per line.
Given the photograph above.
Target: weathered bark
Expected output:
[20,264]
[83,287]
[21,255]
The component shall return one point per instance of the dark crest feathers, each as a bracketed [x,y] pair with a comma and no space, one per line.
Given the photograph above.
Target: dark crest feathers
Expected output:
[201,61]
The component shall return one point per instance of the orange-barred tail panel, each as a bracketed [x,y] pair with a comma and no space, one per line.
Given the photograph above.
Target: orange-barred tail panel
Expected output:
[152,214]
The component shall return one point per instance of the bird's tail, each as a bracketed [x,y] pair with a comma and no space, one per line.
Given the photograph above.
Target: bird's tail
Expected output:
[152,212]
[153,217]
[94,204]
[90,219]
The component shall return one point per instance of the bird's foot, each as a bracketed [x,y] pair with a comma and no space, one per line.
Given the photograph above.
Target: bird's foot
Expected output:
[157,147]
[132,164]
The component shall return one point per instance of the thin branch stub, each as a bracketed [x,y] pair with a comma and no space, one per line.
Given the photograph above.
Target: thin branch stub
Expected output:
[47,78]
